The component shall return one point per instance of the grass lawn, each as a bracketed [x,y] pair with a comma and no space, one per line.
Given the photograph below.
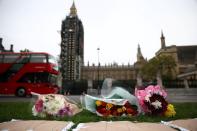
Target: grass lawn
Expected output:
[22,110]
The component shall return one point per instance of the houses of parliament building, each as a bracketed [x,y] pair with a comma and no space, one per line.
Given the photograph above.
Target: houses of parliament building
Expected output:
[72,56]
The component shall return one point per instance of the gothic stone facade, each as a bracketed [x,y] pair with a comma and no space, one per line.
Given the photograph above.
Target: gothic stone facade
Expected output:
[184,56]
[117,72]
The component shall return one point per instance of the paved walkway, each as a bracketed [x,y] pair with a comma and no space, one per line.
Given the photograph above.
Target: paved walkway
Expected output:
[41,125]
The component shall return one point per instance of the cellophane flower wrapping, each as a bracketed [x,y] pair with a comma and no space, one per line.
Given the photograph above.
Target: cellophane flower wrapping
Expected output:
[53,105]
[107,107]
[153,101]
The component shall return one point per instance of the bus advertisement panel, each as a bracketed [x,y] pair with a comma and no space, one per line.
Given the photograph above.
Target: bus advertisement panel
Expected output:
[26,72]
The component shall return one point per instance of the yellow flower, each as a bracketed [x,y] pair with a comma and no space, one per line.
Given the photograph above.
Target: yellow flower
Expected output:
[109,106]
[98,103]
[119,110]
[129,115]
[170,112]
[124,108]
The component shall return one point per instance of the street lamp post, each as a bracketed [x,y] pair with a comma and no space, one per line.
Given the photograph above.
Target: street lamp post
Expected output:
[98,88]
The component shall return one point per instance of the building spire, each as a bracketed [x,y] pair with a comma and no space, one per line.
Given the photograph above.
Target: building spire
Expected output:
[73,10]
[162,36]
[139,54]
[163,43]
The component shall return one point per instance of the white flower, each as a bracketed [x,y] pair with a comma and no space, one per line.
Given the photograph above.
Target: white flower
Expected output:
[42,114]
[35,113]
[147,97]
[156,104]
[53,103]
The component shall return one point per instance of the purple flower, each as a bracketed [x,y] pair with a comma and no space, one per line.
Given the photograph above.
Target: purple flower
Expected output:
[65,111]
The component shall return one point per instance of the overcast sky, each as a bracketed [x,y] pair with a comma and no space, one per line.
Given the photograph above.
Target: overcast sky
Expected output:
[115,26]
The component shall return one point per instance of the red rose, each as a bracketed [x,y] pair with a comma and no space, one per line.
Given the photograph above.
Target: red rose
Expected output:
[102,111]
[129,110]
[115,113]
[108,112]
[104,104]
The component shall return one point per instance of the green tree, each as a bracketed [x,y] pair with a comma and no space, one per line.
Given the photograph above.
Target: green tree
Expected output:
[25,50]
[164,64]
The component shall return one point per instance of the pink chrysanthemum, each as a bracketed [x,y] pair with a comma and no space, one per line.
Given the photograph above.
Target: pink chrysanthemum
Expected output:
[39,105]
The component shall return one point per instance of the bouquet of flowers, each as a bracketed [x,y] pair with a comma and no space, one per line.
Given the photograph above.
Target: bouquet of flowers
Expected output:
[53,105]
[108,109]
[153,101]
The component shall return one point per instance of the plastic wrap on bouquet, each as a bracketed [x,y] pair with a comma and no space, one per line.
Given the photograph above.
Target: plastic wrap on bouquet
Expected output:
[110,107]
[114,101]
[111,91]
[152,100]
[120,93]
[54,105]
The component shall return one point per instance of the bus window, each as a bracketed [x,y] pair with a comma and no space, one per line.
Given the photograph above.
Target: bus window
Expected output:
[52,60]
[41,77]
[27,78]
[1,58]
[16,67]
[10,58]
[38,58]
[37,77]
[24,59]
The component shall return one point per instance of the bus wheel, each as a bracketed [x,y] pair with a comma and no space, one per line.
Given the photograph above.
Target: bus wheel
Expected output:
[21,92]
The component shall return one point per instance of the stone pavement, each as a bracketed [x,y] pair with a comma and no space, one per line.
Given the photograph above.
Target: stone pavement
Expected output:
[182,125]
[35,125]
[41,125]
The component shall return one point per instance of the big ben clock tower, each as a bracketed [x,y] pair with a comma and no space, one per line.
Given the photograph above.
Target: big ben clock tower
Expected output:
[72,46]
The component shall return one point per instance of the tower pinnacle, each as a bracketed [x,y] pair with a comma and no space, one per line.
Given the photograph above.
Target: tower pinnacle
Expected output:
[162,34]
[163,43]
[73,10]
[139,54]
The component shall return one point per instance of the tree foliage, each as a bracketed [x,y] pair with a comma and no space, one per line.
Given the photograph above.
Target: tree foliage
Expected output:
[25,50]
[164,64]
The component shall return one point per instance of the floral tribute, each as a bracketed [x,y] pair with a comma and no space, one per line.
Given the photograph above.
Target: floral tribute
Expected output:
[52,105]
[153,101]
[109,110]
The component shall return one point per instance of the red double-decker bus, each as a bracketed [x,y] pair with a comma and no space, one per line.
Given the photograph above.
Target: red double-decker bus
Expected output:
[26,72]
